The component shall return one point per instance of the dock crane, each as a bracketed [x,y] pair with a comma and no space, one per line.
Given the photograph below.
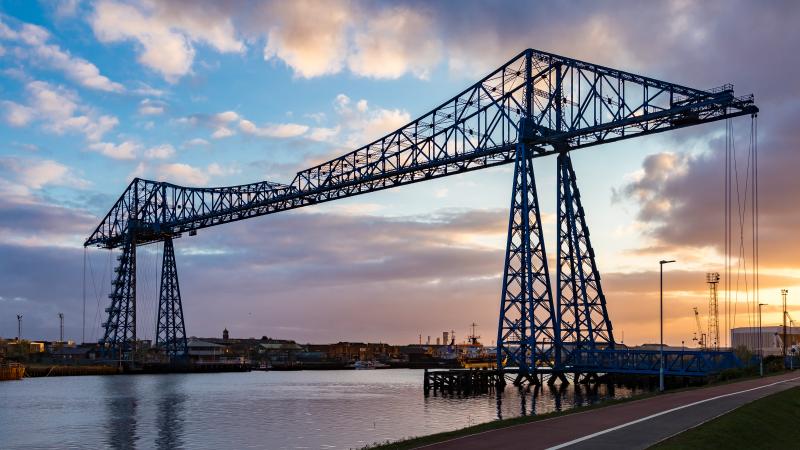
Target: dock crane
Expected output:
[699,336]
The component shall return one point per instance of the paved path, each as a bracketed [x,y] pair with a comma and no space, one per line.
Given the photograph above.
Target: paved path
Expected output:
[631,425]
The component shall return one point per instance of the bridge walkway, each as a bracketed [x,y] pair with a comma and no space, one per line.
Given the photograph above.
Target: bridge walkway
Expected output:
[632,425]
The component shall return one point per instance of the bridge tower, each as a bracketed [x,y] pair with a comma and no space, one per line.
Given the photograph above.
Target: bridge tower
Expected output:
[582,313]
[526,335]
[170,329]
[119,338]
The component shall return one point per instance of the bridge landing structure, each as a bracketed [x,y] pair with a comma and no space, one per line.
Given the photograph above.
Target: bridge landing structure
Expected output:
[536,105]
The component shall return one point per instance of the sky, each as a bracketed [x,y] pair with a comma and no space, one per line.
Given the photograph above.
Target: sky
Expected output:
[206,93]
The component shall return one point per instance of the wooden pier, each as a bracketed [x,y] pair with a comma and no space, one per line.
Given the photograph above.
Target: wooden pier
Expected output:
[462,381]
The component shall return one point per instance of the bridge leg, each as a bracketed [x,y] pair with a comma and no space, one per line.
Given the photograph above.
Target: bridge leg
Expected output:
[119,338]
[581,304]
[170,328]
[525,334]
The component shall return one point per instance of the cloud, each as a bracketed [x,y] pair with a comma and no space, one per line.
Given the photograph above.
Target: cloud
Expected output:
[181,173]
[165,32]
[148,107]
[396,41]
[323,134]
[225,123]
[281,130]
[36,173]
[222,132]
[218,170]
[164,151]
[39,51]
[364,123]
[220,123]
[657,170]
[17,115]
[226,116]
[196,142]
[59,111]
[66,8]
[680,198]
[308,39]
[125,150]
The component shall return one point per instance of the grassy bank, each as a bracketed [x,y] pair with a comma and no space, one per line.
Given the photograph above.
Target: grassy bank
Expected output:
[770,422]
[415,442]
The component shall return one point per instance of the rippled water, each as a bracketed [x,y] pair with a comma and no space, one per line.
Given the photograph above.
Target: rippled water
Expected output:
[269,410]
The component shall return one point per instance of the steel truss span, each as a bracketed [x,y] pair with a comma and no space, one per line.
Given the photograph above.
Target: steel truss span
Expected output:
[537,104]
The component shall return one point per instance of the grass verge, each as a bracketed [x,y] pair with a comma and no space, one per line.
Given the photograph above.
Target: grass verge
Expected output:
[769,422]
[415,442]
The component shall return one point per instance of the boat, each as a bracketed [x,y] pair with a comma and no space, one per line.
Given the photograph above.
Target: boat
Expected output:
[369,365]
[11,371]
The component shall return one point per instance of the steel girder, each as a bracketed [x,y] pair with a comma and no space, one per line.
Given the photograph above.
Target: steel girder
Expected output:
[563,101]
[525,335]
[170,328]
[647,362]
[535,105]
[583,320]
[119,339]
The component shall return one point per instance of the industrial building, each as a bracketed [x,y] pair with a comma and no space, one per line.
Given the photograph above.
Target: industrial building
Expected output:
[771,338]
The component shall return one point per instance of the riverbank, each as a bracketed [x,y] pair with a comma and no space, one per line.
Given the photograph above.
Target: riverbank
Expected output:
[10,372]
[38,370]
[775,417]
[417,442]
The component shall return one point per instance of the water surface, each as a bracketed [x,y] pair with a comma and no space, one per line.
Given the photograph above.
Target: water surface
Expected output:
[265,410]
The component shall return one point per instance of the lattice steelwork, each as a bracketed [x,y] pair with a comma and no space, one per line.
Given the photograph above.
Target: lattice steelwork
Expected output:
[537,104]
[712,278]
[525,337]
[583,315]
[119,339]
[170,329]
[563,101]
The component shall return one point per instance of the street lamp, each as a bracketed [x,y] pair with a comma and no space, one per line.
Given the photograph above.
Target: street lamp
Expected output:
[19,327]
[661,322]
[760,342]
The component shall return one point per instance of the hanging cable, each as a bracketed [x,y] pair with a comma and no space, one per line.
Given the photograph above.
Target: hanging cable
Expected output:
[83,290]
[754,207]
[726,220]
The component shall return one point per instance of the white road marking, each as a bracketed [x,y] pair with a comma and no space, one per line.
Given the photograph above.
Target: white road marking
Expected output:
[600,433]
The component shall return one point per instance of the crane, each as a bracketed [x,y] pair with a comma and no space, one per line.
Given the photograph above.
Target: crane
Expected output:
[699,336]
[536,105]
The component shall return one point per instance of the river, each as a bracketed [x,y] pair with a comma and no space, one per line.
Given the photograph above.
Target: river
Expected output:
[265,410]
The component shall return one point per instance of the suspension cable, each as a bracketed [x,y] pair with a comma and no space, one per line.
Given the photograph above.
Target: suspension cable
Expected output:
[83,290]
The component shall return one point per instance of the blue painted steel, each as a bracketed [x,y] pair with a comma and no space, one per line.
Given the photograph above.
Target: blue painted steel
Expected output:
[525,336]
[647,362]
[559,101]
[170,328]
[581,304]
[119,338]
[537,104]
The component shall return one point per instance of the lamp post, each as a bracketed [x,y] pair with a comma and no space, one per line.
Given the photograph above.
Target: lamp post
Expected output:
[784,292]
[760,343]
[661,322]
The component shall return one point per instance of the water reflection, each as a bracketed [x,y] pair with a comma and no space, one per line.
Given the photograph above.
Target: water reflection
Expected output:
[122,398]
[306,409]
[171,411]
[545,398]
